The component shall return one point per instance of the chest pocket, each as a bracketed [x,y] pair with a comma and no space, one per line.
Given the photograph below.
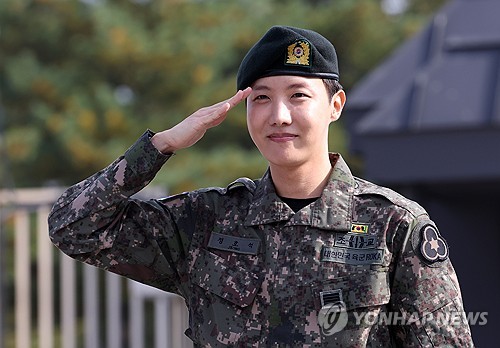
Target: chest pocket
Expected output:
[364,295]
[231,282]
[221,302]
[356,291]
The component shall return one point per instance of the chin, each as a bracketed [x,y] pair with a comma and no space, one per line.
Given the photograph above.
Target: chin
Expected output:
[284,158]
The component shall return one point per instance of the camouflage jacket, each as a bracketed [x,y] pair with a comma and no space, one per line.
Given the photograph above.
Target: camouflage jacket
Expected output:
[359,267]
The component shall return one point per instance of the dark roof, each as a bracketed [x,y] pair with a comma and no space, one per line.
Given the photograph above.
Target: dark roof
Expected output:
[433,108]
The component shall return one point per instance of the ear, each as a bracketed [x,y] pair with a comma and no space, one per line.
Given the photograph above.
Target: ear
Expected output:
[337,104]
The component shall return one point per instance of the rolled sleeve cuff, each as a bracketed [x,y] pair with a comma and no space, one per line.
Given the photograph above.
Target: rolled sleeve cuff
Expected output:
[143,157]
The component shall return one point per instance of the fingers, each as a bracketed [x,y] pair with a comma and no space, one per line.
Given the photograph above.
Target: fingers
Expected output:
[233,101]
[239,97]
[219,110]
[216,118]
[230,103]
[216,113]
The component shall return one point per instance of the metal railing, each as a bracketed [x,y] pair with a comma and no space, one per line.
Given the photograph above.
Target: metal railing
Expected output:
[59,302]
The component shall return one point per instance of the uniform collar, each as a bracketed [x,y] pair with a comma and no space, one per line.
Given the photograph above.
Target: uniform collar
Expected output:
[332,211]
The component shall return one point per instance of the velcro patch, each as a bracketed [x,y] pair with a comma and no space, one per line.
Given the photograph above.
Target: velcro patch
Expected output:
[429,245]
[330,296]
[432,246]
[353,256]
[355,241]
[234,244]
[359,228]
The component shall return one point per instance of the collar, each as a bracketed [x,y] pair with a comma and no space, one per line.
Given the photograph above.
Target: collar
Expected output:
[331,211]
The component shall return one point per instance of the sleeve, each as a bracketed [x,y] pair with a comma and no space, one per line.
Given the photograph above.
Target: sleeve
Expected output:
[426,295]
[96,221]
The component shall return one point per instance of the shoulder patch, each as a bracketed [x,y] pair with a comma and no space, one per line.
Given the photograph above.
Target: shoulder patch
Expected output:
[428,244]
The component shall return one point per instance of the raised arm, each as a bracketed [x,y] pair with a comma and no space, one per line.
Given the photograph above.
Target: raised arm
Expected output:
[96,221]
[192,128]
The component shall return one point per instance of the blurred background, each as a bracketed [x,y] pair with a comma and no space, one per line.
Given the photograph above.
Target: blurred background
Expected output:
[80,81]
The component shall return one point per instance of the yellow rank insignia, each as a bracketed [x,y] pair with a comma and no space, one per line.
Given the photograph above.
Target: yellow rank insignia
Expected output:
[299,53]
[359,228]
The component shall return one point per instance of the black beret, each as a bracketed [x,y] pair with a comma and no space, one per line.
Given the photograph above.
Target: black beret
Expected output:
[289,51]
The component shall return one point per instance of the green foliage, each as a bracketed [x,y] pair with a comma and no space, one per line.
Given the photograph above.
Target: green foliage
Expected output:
[81,80]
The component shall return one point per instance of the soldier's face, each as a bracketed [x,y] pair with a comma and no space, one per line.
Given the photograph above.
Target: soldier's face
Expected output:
[288,118]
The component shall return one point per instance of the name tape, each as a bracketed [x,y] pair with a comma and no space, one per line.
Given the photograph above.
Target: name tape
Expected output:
[235,244]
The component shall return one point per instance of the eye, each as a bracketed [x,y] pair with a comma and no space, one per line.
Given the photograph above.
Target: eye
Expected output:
[260,97]
[300,95]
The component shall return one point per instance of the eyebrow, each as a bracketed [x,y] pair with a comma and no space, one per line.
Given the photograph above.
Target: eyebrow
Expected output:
[260,88]
[292,86]
[298,85]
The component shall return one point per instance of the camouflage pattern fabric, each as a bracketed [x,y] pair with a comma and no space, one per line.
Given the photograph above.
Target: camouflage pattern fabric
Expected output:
[255,273]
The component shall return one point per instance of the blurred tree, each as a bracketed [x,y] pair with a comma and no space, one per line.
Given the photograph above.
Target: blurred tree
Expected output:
[81,80]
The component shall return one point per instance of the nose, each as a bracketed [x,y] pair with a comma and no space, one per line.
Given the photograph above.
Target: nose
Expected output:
[281,115]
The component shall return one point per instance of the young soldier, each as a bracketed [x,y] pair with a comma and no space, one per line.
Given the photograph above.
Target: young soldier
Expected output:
[308,255]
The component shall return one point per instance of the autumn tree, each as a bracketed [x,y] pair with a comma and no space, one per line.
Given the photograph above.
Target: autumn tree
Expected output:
[81,80]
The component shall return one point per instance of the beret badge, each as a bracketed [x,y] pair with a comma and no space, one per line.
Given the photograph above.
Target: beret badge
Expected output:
[298,53]
[288,51]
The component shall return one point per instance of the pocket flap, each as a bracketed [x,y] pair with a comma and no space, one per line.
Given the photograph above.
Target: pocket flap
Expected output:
[231,282]
[359,290]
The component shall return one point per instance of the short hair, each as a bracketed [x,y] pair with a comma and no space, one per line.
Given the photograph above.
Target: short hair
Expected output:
[332,86]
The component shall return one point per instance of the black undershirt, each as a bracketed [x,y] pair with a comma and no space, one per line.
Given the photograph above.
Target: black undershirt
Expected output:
[298,203]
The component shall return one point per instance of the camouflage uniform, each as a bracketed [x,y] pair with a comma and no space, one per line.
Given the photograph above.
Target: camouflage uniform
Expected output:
[253,272]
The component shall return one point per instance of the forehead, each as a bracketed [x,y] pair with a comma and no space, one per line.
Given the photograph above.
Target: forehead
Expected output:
[288,82]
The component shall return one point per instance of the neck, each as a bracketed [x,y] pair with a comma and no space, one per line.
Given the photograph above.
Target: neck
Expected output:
[304,181]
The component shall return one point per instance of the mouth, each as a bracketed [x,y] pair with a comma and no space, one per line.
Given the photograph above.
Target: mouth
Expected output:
[282,137]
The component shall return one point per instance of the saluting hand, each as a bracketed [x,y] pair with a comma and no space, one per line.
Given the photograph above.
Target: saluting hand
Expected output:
[192,128]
